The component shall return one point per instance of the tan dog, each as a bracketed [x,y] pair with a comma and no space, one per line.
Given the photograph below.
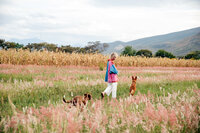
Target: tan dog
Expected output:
[79,100]
[133,85]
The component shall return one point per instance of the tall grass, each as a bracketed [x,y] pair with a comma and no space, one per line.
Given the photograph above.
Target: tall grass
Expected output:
[141,113]
[166,99]
[25,57]
[30,85]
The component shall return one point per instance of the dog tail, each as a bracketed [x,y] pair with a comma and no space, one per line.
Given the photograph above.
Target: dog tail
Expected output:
[66,101]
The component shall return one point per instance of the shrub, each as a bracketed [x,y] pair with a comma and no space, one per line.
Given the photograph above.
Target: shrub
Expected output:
[193,55]
[144,52]
[129,51]
[163,53]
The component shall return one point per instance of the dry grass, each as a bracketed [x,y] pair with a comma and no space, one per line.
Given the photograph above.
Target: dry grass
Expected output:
[25,57]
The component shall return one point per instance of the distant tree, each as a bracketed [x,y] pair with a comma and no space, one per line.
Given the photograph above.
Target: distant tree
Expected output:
[2,43]
[35,46]
[81,50]
[18,46]
[69,49]
[144,52]
[42,46]
[50,47]
[193,55]
[128,51]
[163,53]
[10,45]
[7,45]
[93,47]
[29,46]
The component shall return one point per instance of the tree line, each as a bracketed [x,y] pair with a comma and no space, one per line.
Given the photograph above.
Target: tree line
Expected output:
[92,47]
[129,51]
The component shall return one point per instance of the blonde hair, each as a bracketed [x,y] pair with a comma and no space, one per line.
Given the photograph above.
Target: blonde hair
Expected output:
[114,54]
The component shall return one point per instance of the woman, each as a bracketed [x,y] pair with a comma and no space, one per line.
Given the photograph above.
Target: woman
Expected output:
[111,77]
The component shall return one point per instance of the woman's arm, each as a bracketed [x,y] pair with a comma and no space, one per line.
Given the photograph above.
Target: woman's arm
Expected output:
[113,69]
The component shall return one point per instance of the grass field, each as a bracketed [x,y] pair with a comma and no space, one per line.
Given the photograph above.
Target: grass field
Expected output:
[167,99]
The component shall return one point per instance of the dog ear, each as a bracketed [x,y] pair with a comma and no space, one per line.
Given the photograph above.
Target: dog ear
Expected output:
[85,96]
[89,96]
[135,77]
[132,78]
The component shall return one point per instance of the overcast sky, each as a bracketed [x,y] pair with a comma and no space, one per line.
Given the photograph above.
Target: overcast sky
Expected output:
[80,21]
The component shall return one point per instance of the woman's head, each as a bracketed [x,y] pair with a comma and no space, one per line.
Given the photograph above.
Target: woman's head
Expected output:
[113,56]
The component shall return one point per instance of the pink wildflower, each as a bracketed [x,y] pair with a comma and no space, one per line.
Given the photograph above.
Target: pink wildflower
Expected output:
[162,113]
[150,111]
[172,118]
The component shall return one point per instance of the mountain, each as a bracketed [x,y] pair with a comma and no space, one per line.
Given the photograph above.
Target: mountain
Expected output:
[178,43]
[26,41]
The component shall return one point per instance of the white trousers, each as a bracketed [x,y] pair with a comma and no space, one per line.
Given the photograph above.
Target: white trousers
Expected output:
[112,87]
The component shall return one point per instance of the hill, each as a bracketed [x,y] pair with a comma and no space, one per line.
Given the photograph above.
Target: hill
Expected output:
[178,43]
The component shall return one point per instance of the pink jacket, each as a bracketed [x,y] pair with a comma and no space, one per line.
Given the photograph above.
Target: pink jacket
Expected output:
[111,72]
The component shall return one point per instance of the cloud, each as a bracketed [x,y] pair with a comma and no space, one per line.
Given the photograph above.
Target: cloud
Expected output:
[6,18]
[146,3]
[81,21]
